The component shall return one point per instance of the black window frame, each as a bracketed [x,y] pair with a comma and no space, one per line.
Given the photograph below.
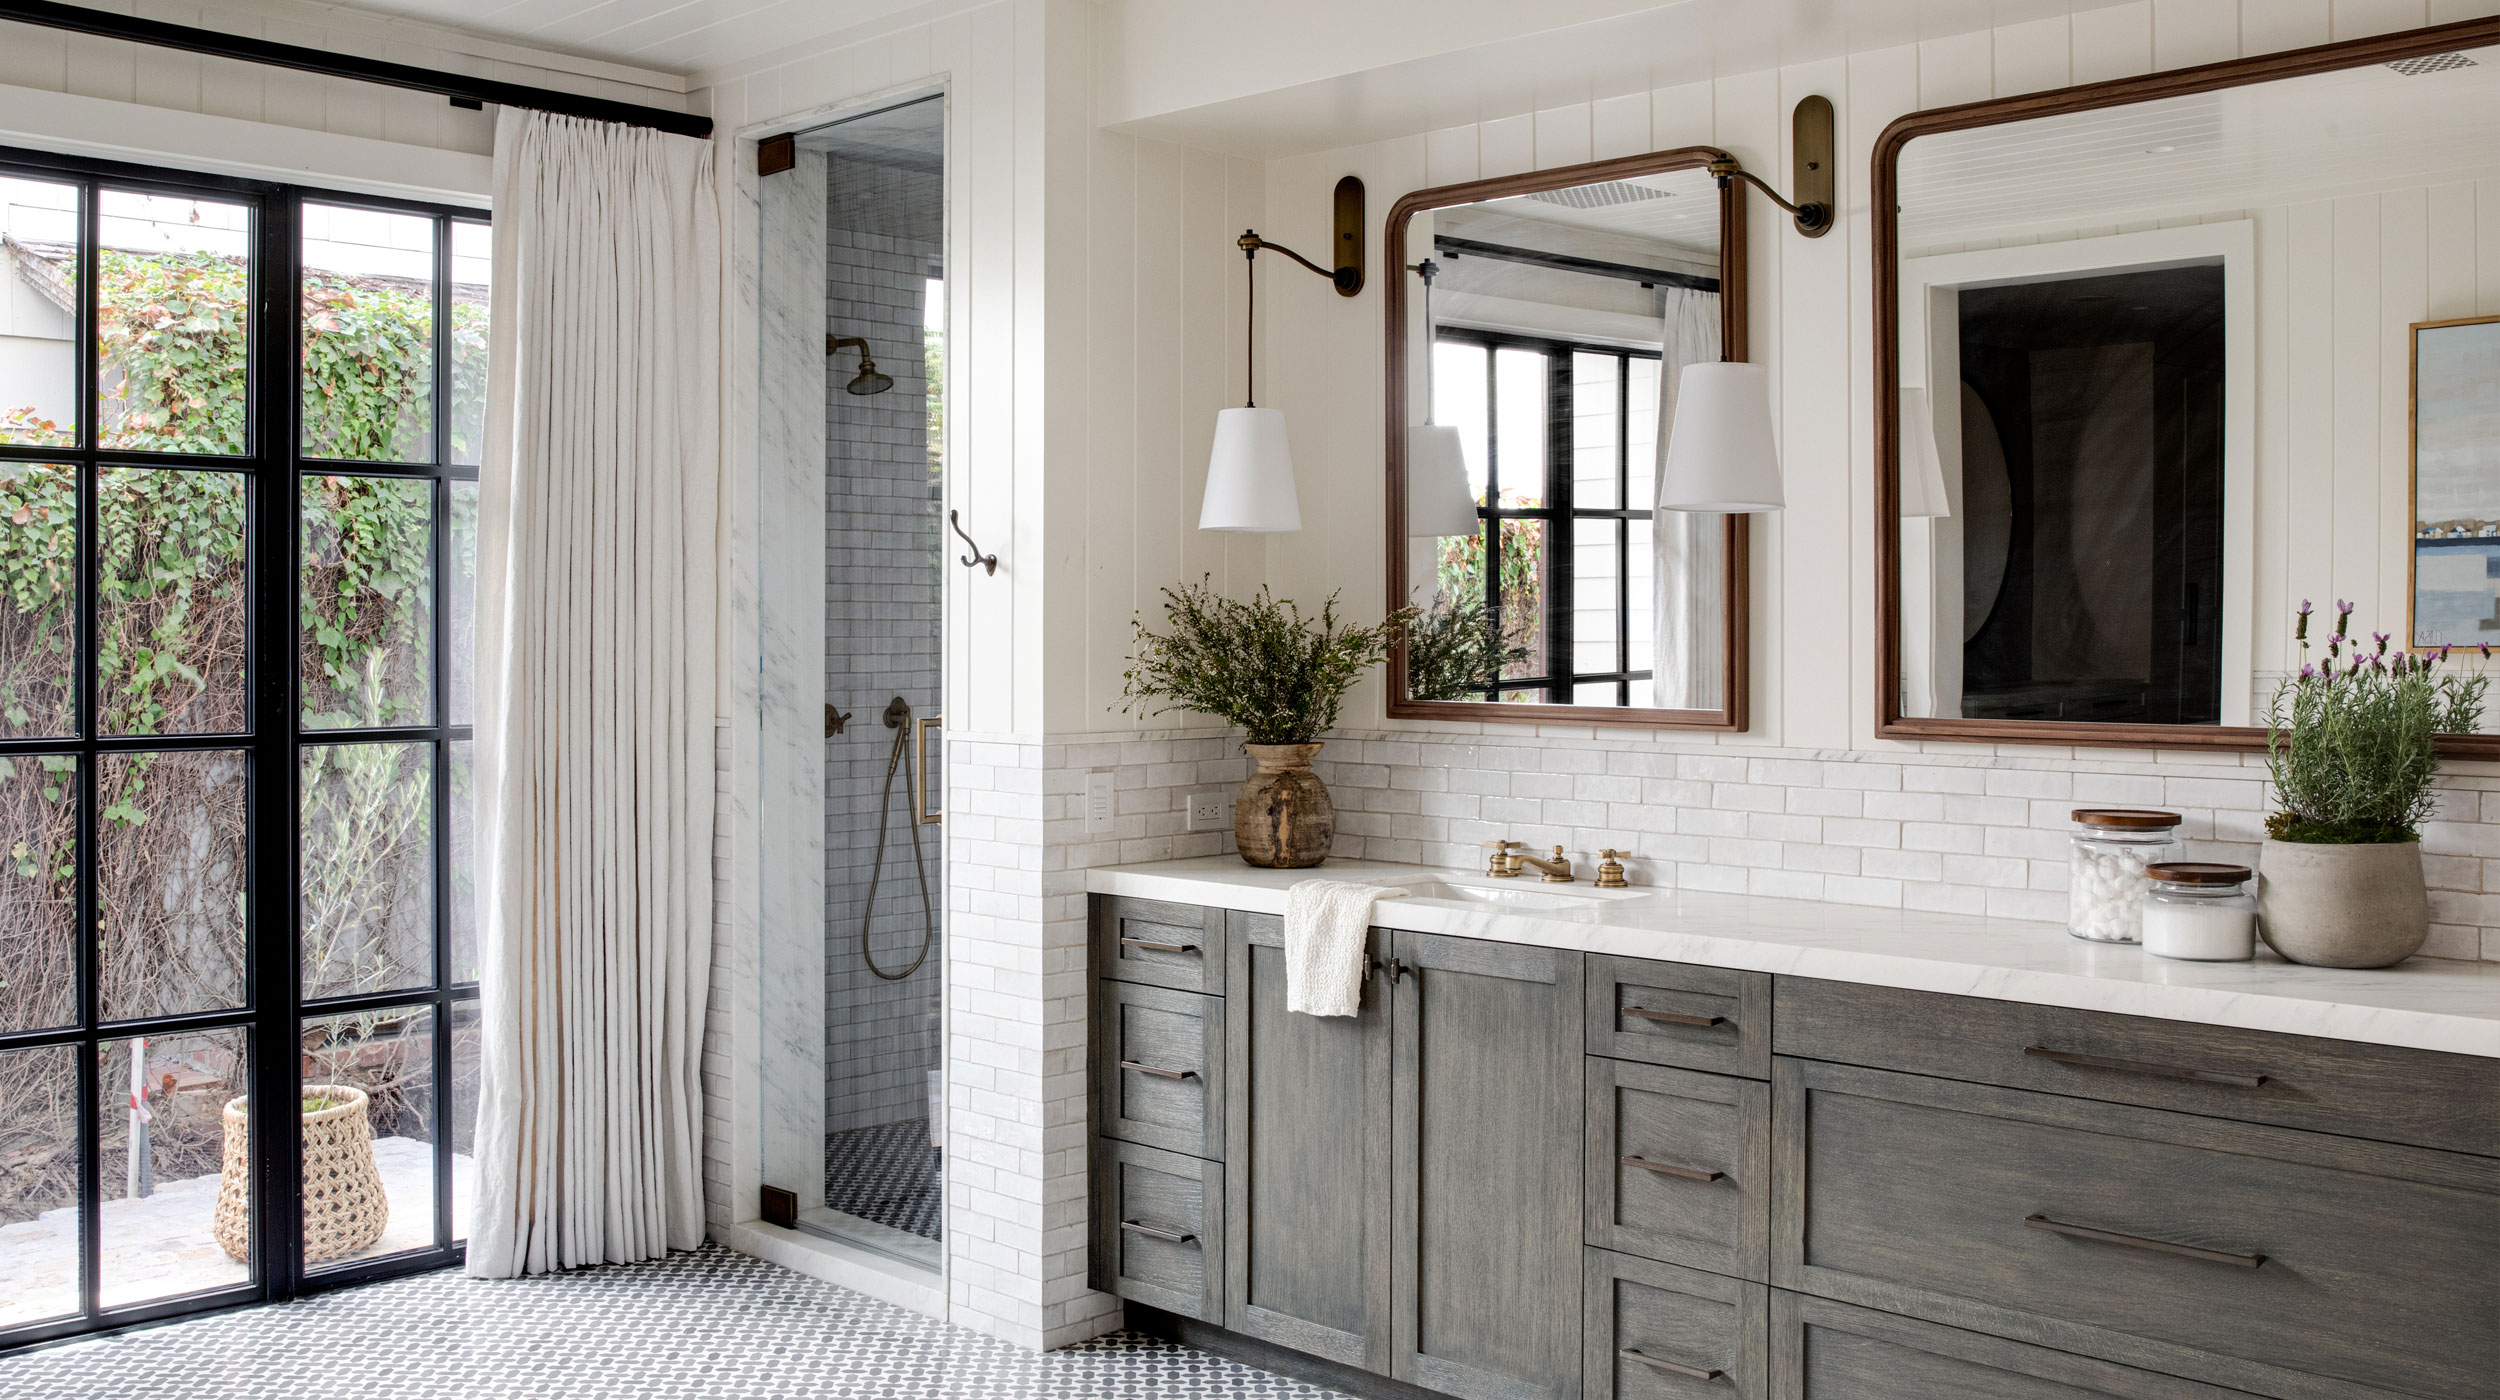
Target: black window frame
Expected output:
[273,1013]
[1558,676]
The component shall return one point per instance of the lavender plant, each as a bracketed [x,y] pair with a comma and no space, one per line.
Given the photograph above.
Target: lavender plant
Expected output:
[2352,741]
[1257,663]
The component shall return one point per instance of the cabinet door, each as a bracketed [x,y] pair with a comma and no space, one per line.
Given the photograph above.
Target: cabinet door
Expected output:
[1486,1274]
[1830,1351]
[1307,1215]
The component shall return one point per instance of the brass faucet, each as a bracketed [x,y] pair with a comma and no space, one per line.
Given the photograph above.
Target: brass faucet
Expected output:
[1610,870]
[1502,865]
[1557,871]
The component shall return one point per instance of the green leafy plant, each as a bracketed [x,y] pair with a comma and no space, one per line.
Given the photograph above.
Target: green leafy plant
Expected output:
[2352,741]
[1455,650]
[1257,663]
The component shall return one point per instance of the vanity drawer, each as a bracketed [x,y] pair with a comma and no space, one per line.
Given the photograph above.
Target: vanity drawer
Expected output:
[1679,1167]
[2333,1086]
[1180,946]
[2286,1263]
[1822,1350]
[1705,1018]
[1158,1229]
[1658,1332]
[1159,1068]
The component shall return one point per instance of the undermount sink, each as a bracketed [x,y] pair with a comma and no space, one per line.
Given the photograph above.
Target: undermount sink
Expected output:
[1526,892]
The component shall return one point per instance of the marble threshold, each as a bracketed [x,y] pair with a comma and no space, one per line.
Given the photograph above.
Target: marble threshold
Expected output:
[2423,1004]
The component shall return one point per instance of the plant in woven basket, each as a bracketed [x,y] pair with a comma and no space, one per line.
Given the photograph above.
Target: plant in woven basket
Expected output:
[2352,740]
[345,1207]
[1258,663]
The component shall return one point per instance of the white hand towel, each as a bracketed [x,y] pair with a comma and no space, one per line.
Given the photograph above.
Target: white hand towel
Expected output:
[1325,924]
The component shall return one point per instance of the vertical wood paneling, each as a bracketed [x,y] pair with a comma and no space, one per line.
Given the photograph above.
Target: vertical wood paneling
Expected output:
[2190,32]
[2359,19]
[1116,337]
[1506,146]
[1245,556]
[2356,400]
[105,68]
[1212,293]
[2403,287]
[1816,339]
[2309,402]
[1683,116]
[2033,56]
[2271,26]
[1563,136]
[35,58]
[1450,156]
[2448,253]
[2116,42]
[1752,125]
[2487,247]
[1161,467]
[1619,126]
[2276,546]
[1961,68]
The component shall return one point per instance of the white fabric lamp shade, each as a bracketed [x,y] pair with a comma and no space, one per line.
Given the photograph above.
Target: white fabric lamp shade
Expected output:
[1721,458]
[1250,475]
[1922,467]
[1439,501]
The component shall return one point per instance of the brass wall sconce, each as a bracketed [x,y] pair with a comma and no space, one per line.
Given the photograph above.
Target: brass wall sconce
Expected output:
[1812,174]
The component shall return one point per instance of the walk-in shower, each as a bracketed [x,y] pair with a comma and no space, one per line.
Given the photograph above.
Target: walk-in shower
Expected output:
[860,218]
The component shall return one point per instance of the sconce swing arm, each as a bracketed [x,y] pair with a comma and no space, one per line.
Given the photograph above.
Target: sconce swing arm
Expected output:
[1812,143]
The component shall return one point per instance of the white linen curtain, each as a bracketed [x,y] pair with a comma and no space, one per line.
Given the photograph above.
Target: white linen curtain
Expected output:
[1689,589]
[594,667]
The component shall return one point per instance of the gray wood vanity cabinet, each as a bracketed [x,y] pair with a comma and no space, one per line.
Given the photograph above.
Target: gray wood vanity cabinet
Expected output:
[1531,1174]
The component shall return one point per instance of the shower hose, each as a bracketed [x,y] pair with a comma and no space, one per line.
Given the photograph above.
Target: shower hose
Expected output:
[898,719]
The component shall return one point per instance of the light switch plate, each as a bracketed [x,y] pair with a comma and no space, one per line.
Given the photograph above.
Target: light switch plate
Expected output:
[1101,805]
[1210,809]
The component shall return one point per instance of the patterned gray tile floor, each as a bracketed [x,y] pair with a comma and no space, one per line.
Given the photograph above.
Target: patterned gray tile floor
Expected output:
[888,1174]
[710,1325]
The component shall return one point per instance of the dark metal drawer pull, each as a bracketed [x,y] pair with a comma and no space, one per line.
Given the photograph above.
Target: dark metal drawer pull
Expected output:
[1158,947]
[1669,1169]
[1671,1367]
[2186,1251]
[1159,1071]
[1150,1232]
[2201,1076]
[1673,1018]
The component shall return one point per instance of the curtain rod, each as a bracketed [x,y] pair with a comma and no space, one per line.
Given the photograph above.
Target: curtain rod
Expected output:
[1454,248]
[463,91]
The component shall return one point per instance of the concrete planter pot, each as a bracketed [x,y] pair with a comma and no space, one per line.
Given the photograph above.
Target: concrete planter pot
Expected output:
[1283,818]
[2343,906]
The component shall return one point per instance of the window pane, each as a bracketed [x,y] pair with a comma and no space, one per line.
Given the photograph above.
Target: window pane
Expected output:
[466,1036]
[1596,477]
[176,1170]
[38,892]
[173,620]
[472,256]
[173,842]
[460,603]
[460,828]
[39,1217]
[1523,594]
[1519,424]
[1640,432]
[38,315]
[368,1135]
[173,294]
[1595,565]
[368,335]
[39,610]
[1597,693]
[367,866]
[1458,389]
[367,623]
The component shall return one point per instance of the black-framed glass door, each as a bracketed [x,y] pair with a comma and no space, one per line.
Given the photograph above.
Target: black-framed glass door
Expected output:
[240,426]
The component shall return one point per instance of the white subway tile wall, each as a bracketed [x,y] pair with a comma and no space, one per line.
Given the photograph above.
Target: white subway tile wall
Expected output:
[1968,829]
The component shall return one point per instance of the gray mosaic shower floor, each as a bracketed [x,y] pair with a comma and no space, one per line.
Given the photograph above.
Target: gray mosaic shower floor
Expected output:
[710,1325]
[889,1174]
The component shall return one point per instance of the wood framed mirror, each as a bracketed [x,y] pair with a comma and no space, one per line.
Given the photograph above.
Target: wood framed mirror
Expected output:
[2150,371]
[1561,305]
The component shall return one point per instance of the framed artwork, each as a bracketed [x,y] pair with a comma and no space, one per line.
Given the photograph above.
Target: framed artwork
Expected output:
[2455,597]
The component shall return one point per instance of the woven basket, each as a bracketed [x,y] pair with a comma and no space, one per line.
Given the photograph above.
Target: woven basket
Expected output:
[345,1209]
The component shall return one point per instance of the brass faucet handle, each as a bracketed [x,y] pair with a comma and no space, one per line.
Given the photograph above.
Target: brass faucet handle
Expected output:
[1610,869]
[1558,872]
[1502,865]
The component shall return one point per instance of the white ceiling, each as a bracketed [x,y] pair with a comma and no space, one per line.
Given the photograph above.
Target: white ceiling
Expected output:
[679,36]
[2253,147]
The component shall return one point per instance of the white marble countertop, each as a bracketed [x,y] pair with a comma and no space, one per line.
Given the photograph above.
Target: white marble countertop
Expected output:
[2424,1004]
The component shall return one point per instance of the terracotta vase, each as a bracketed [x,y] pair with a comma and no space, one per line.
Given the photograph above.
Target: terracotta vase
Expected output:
[1282,818]
[2343,906]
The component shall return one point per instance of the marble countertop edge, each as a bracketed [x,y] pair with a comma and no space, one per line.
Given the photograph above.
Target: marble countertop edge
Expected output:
[2424,1004]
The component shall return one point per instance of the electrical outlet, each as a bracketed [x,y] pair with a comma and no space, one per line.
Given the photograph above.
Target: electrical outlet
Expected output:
[1210,809]
[1101,805]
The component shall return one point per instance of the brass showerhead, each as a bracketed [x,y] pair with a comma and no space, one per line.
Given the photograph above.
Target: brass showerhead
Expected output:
[868,380]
